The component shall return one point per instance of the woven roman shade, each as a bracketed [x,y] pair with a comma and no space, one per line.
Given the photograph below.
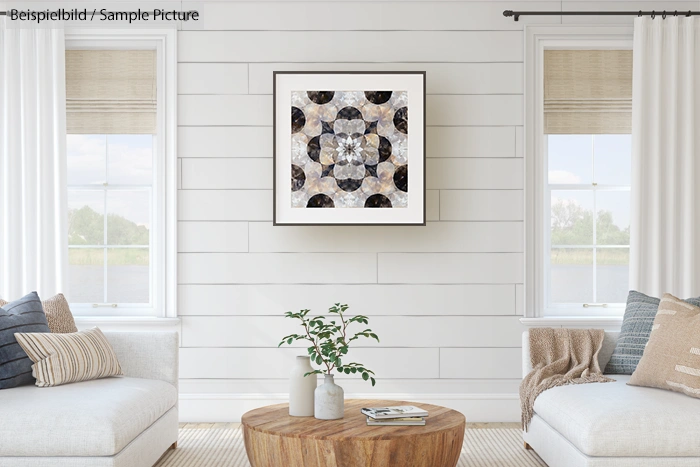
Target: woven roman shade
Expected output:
[111,91]
[587,91]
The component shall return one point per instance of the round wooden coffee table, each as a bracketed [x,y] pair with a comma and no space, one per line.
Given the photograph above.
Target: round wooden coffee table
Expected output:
[274,439]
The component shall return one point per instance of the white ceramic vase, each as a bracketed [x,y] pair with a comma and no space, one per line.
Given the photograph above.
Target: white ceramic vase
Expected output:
[301,389]
[329,400]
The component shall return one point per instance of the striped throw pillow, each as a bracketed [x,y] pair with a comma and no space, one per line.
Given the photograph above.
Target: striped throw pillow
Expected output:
[23,315]
[58,313]
[671,359]
[69,358]
[634,335]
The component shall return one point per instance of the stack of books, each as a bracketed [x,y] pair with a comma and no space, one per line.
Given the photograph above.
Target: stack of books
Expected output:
[402,415]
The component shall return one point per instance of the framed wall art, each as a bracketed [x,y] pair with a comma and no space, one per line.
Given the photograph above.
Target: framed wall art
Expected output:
[349,148]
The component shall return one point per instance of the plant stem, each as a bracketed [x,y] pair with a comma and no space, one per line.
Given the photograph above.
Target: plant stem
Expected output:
[345,325]
[318,351]
[338,353]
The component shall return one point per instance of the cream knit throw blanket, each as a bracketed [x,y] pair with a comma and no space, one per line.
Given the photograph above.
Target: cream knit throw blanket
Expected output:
[560,357]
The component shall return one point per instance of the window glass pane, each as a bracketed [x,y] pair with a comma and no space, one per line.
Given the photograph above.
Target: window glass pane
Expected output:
[571,275]
[86,275]
[129,217]
[86,217]
[128,275]
[86,159]
[130,159]
[572,217]
[613,218]
[613,159]
[570,159]
[612,275]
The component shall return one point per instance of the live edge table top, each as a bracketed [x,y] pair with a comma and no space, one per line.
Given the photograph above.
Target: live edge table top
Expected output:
[275,419]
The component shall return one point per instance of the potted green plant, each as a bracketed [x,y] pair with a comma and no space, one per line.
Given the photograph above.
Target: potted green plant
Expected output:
[330,341]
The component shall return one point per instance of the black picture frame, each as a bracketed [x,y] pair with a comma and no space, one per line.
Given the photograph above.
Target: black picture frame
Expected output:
[275,221]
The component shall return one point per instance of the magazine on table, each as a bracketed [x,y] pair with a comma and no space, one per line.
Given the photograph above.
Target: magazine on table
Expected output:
[400,411]
[413,421]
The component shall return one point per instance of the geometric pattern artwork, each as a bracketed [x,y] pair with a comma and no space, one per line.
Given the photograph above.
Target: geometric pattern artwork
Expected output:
[341,142]
[349,149]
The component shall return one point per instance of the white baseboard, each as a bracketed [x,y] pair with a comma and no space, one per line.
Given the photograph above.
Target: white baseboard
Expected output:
[229,407]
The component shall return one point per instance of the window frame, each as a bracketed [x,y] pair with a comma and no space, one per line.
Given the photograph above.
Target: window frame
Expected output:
[163,244]
[537,216]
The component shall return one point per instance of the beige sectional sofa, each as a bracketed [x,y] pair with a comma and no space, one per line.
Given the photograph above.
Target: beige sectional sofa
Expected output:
[612,424]
[127,421]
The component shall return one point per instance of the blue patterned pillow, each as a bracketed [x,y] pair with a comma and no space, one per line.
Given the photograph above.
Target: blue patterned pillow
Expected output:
[634,335]
[23,315]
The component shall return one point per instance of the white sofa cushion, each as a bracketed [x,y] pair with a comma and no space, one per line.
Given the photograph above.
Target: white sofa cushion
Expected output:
[616,420]
[91,418]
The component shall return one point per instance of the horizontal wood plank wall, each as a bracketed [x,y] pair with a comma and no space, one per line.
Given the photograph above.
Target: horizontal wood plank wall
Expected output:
[443,298]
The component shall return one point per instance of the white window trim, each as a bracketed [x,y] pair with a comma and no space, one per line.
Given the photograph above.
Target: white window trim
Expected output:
[608,323]
[164,286]
[537,40]
[128,323]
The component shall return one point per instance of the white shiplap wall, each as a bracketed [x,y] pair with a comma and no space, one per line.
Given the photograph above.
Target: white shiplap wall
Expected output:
[444,298]
[441,297]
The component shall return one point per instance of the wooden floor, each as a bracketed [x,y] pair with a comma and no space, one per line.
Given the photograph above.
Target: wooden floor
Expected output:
[204,426]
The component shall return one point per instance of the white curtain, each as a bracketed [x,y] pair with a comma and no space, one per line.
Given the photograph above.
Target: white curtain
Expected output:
[665,229]
[33,205]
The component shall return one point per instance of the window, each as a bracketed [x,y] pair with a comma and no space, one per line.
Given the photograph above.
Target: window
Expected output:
[121,175]
[110,214]
[578,95]
[588,194]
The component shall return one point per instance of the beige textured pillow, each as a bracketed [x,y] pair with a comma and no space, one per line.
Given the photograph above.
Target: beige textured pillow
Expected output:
[671,359]
[58,314]
[68,358]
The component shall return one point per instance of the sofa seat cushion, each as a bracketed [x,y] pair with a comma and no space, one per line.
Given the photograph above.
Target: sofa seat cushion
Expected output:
[617,420]
[90,418]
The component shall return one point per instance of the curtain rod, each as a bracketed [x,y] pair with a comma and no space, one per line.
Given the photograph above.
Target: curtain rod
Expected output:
[517,14]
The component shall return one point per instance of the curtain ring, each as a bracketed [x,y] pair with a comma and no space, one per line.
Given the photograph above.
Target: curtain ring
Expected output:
[640,14]
[675,13]
[688,15]
[653,14]
[664,15]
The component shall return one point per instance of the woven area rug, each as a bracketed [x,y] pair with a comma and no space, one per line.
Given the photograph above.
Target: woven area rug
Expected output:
[223,446]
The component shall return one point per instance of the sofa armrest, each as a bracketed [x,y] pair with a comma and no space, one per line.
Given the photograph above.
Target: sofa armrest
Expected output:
[149,355]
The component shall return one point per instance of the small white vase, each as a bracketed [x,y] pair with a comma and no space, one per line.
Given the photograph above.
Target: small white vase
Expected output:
[301,389]
[329,400]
